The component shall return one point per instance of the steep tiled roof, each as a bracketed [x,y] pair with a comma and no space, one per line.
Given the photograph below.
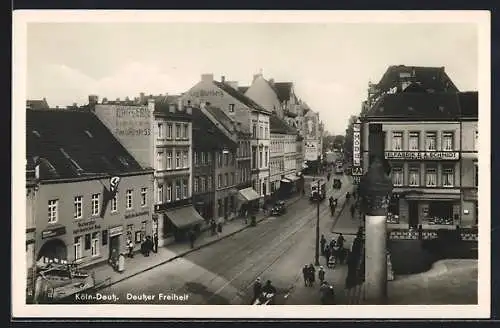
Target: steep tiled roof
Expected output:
[37,104]
[240,97]
[277,125]
[221,117]
[70,144]
[429,77]
[162,107]
[206,134]
[243,89]
[416,106]
[283,90]
[468,104]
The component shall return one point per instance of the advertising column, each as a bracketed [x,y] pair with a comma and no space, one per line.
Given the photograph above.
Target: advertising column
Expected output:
[357,169]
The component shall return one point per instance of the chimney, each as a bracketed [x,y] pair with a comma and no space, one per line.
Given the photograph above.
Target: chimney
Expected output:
[93,99]
[207,77]
[104,100]
[223,79]
[271,81]
[142,98]
[233,84]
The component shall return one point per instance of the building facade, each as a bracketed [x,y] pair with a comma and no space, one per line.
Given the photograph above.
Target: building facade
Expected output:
[31,194]
[157,131]
[428,140]
[249,116]
[92,194]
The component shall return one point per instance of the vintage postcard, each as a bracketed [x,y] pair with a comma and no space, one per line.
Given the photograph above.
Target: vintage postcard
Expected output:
[257,164]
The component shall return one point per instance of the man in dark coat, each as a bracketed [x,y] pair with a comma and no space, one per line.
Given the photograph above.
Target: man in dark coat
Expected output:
[155,243]
[305,274]
[192,238]
[322,242]
[257,289]
[328,252]
[312,272]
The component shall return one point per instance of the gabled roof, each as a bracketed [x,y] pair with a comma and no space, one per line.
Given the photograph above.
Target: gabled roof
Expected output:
[240,97]
[283,90]
[434,78]
[37,104]
[163,104]
[243,89]
[71,144]
[221,117]
[277,125]
[416,106]
[206,135]
[468,104]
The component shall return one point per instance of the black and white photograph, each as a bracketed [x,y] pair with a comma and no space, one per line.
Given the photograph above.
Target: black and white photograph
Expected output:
[244,163]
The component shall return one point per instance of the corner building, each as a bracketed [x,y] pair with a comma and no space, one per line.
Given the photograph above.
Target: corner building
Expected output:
[77,216]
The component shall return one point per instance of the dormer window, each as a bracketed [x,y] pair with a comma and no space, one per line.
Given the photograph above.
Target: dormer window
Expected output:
[72,161]
[35,132]
[123,161]
[87,132]
[231,108]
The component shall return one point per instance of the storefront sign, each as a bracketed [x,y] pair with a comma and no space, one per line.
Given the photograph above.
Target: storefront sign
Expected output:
[356,145]
[422,155]
[357,171]
[53,232]
[84,227]
[136,214]
[115,231]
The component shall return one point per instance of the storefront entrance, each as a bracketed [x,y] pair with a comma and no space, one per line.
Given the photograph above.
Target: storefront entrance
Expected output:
[114,245]
[53,250]
[413,214]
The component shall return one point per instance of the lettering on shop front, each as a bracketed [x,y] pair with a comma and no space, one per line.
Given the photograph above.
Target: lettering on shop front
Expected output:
[416,155]
[133,215]
[207,93]
[84,227]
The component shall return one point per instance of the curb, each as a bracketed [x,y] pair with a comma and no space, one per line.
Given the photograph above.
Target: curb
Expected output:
[182,254]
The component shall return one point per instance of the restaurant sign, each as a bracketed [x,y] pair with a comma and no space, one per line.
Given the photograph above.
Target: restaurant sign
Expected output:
[422,155]
[53,232]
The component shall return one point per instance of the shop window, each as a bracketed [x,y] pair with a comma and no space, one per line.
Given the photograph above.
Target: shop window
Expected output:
[53,210]
[144,197]
[77,247]
[114,204]
[439,213]
[95,244]
[138,237]
[397,141]
[414,141]
[397,176]
[414,177]
[430,141]
[430,177]
[129,199]
[95,204]
[87,241]
[447,142]
[448,177]
[78,214]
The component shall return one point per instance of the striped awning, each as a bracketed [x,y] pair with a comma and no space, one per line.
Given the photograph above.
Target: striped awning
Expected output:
[284,180]
[292,178]
[248,194]
[184,217]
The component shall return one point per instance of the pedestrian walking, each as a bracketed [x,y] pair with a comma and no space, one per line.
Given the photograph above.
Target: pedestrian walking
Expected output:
[323,290]
[323,243]
[219,225]
[121,263]
[192,238]
[321,274]
[257,289]
[130,246]
[213,227]
[312,272]
[155,243]
[340,240]
[305,274]
[327,252]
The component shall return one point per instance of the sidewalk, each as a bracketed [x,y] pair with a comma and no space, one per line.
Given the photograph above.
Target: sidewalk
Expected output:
[104,273]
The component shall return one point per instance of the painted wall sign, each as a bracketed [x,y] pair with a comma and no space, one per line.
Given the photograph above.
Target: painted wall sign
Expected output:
[132,121]
[207,93]
[422,155]
[86,227]
[115,231]
[136,214]
[53,232]
[132,112]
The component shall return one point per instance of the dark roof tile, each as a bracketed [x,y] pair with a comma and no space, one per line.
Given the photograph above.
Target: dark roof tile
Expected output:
[434,78]
[243,89]
[468,104]
[283,90]
[240,97]
[277,125]
[70,144]
[206,134]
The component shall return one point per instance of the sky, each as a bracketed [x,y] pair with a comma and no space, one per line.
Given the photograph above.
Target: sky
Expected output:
[330,64]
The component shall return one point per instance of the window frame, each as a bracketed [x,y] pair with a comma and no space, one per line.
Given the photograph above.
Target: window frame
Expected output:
[96,201]
[434,171]
[53,208]
[129,204]
[94,247]
[78,207]
[144,197]
[430,135]
[400,174]
[114,203]
[445,136]
[413,135]
[397,135]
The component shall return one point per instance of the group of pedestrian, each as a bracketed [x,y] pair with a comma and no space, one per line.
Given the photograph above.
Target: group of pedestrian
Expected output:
[147,246]
[309,274]
[334,252]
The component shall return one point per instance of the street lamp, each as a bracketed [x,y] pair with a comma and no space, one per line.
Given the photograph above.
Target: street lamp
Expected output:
[316,254]
[375,190]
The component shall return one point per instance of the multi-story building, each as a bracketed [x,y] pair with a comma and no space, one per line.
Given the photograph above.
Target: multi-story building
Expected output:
[214,143]
[92,194]
[428,139]
[157,132]
[31,194]
[252,118]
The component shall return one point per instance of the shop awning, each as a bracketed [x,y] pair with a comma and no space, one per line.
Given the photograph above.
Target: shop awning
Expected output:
[292,178]
[284,180]
[184,217]
[434,197]
[249,194]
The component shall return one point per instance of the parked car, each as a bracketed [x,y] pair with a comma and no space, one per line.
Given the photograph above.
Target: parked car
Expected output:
[278,208]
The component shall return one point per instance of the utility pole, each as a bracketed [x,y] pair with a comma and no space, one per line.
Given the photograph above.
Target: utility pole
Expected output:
[316,256]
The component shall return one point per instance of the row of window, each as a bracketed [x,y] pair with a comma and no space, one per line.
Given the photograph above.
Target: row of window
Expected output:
[202,184]
[243,174]
[261,133]
[283,146]
[175,190]
[181,131]
[263,157]
[96,203]
[243,149]
[447,178]
[430,141]
[226,180]
[181,160]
